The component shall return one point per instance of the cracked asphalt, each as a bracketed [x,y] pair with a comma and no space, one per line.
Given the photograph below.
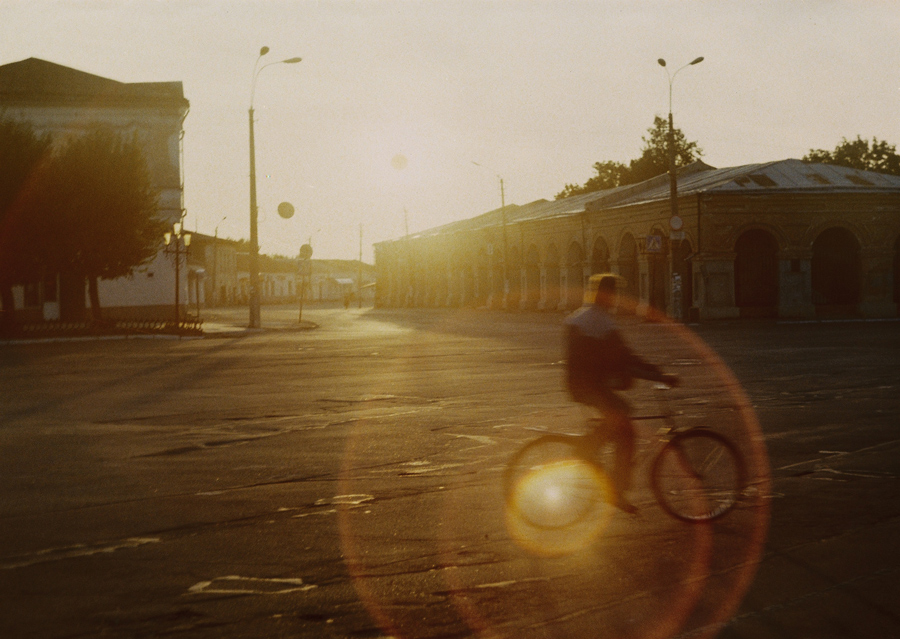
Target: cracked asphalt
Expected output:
[342,478]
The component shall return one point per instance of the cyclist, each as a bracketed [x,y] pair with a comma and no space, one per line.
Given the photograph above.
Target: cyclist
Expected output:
[599,363]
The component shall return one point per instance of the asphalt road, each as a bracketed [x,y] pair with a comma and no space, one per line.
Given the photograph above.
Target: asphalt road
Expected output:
[341,478]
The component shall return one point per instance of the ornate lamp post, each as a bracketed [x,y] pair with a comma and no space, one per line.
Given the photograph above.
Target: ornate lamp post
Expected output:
[674,220]
[254,238]
[178,245]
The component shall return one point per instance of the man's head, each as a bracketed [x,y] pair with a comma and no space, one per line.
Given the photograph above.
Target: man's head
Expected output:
[606,284]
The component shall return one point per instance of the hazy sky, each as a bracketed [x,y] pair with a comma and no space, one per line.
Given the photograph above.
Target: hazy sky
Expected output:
[535,91]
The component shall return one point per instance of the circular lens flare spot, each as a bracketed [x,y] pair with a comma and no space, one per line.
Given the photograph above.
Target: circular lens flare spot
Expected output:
[558,508]
[399,161]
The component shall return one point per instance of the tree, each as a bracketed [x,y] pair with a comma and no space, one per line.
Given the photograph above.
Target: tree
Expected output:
[654,158]
[653,161]
[610,174]
[877,156]
[22,155]
[98,210]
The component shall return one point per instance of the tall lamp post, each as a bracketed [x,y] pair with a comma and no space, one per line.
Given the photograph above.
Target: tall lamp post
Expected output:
[254,238]
[673,183]
[505,241]
[177,244]
[674,220]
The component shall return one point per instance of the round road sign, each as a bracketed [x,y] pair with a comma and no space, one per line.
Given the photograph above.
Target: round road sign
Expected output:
[286,210]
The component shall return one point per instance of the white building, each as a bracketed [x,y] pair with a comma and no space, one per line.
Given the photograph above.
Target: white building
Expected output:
[65,102]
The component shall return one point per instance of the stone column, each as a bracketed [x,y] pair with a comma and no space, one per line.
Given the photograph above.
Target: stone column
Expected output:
[642,286]
[563,289]
[448,298]
[877,294]
[523,289]
[542,299]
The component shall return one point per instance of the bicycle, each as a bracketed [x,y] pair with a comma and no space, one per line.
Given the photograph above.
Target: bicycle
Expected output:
[557,480]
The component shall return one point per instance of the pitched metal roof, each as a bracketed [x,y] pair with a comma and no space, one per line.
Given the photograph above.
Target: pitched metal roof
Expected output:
[785,176]
[539,209]
[781,176]
[693,179]
[39,81]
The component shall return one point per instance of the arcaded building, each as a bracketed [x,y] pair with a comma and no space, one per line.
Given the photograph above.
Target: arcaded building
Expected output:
[782,239]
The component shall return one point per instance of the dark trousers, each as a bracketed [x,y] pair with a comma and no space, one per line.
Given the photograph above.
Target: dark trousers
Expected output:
[617,428]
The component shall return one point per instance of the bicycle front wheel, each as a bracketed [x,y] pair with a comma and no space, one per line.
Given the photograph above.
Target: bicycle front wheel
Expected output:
[551,482]
[698,476]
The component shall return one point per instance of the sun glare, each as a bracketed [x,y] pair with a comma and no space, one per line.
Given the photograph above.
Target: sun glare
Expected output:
[398,156]
[399,161]
[559,508]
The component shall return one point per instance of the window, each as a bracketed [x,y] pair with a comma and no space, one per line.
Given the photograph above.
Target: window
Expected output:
[762,180]
[857,179]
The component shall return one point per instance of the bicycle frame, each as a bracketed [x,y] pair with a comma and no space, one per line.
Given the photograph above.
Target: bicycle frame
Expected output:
[662,436]
[696,474]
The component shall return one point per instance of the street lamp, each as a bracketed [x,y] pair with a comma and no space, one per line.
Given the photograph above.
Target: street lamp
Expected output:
[673,184]
[178,245]
[505,242]
[254,238]
[674,220]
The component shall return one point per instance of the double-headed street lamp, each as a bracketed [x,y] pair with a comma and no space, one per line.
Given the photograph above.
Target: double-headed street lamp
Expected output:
[673,183]
[675,221]
[254,238]
[178,245]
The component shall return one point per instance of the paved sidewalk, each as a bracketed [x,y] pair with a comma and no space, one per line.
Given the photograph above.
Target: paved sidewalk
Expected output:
[220,322]
[224,328]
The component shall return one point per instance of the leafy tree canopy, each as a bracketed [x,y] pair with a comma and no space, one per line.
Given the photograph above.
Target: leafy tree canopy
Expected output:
[96,210]
[653,161]
[22,155]
[99,207]
[877,155]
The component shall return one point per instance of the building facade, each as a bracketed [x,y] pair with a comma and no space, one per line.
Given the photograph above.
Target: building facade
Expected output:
[782,239]
[66,102]
[213,269]
[345,281]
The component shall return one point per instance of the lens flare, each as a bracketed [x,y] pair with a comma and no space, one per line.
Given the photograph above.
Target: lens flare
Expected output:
[399,161]
[559,507]
[452,549]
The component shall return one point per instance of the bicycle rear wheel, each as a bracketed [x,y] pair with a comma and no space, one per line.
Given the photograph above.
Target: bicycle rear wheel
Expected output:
[698,476]
[552,482]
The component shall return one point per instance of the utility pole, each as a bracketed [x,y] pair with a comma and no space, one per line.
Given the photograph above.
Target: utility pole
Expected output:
[410,291]
[505,303]
[359,276]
